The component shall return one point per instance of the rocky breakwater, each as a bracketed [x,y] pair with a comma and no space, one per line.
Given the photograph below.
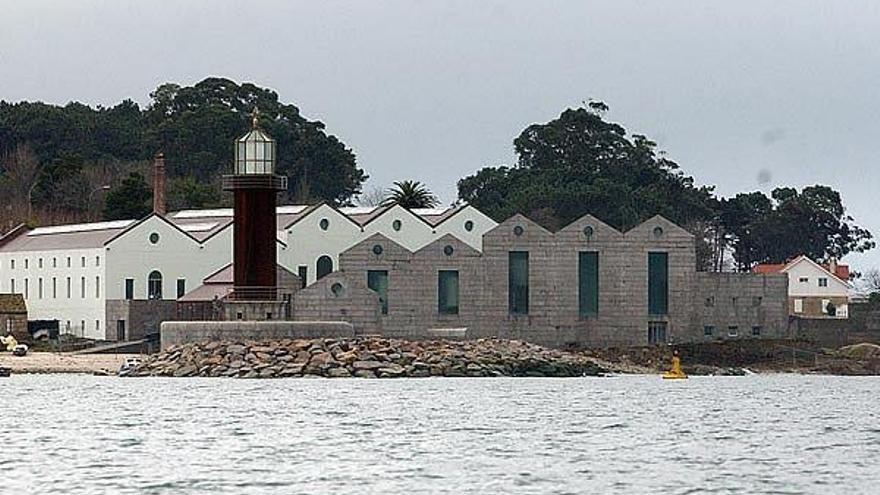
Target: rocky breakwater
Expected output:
[365,358]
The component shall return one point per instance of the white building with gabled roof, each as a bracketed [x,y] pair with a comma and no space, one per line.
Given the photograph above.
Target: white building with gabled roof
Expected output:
[96,278]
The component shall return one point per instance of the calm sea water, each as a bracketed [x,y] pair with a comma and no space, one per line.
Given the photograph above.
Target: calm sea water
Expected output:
[758,434]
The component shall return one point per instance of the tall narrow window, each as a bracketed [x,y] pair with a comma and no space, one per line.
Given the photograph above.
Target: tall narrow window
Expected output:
[82,288]
[377,280]
[181,287]
[447,292]
[303,272]
[129,288]
[26,289]
[154,285]
[40,288]
[97,287]
[518,282]
[12,285]
[324,266]
[68,287]
[54,288]
[588,283]
[658,283]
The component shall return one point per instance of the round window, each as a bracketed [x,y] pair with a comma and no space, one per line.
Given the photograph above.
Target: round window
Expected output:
[588,231]
[518,230]
[154,238]
[448,250]
[469,226]
[377,249]
[658,231]
[337,289]
[396,225]
[324,224]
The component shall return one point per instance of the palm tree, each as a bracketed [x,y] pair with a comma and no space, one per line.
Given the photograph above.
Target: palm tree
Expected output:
[411,194]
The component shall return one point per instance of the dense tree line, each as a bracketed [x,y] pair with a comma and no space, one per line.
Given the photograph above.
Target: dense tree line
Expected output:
[581,163]
[60,160]
[78,149]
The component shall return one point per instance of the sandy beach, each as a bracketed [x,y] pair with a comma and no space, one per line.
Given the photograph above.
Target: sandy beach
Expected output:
[50,362]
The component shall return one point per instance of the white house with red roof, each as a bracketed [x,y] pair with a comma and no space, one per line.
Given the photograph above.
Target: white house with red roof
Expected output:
[814,290]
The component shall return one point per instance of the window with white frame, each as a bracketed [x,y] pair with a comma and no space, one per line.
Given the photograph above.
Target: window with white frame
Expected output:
[823,282]
[798,305]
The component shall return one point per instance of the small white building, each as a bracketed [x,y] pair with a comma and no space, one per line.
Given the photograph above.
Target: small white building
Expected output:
[814,290]
[91,277]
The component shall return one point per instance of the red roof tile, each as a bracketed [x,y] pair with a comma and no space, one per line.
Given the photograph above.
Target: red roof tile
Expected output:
[768,268]
[842,271]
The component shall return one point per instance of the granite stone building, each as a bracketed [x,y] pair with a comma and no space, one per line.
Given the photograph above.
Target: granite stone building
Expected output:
[587,284]
[13,316]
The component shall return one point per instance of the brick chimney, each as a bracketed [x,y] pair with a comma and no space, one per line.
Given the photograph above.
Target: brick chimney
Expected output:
[832,265]
[159,183]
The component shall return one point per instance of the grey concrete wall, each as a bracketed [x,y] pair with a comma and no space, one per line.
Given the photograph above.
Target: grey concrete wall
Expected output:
[181,332]
[255,310]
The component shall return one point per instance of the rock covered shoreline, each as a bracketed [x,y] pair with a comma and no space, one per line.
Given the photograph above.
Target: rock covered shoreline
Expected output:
[365,358]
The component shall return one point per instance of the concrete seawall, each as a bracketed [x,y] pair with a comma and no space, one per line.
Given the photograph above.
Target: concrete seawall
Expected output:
[184,332]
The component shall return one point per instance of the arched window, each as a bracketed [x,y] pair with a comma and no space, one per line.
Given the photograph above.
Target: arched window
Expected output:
[325,266]
[154,285]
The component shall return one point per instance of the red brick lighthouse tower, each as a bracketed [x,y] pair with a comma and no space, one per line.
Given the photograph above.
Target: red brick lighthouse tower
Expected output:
[255,187]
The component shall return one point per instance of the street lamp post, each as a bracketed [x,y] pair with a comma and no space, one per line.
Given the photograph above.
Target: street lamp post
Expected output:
[105,187]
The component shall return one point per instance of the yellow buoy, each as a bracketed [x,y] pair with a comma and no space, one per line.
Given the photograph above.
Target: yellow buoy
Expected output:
[676,372]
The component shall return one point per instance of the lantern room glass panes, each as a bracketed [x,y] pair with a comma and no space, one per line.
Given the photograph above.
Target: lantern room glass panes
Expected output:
[255,154]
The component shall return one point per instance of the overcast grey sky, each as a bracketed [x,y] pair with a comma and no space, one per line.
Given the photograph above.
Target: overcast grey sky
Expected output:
[435,90]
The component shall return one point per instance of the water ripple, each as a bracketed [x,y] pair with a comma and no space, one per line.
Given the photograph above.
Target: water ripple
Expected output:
[759,434]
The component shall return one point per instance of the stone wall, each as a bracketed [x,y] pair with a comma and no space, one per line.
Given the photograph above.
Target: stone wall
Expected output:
[255,310]
[747,302]
[141,317]
[16,324]
[554,317]
[827,332]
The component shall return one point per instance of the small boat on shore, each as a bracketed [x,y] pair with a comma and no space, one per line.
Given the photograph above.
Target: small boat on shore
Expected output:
[5,372]
[128,366]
